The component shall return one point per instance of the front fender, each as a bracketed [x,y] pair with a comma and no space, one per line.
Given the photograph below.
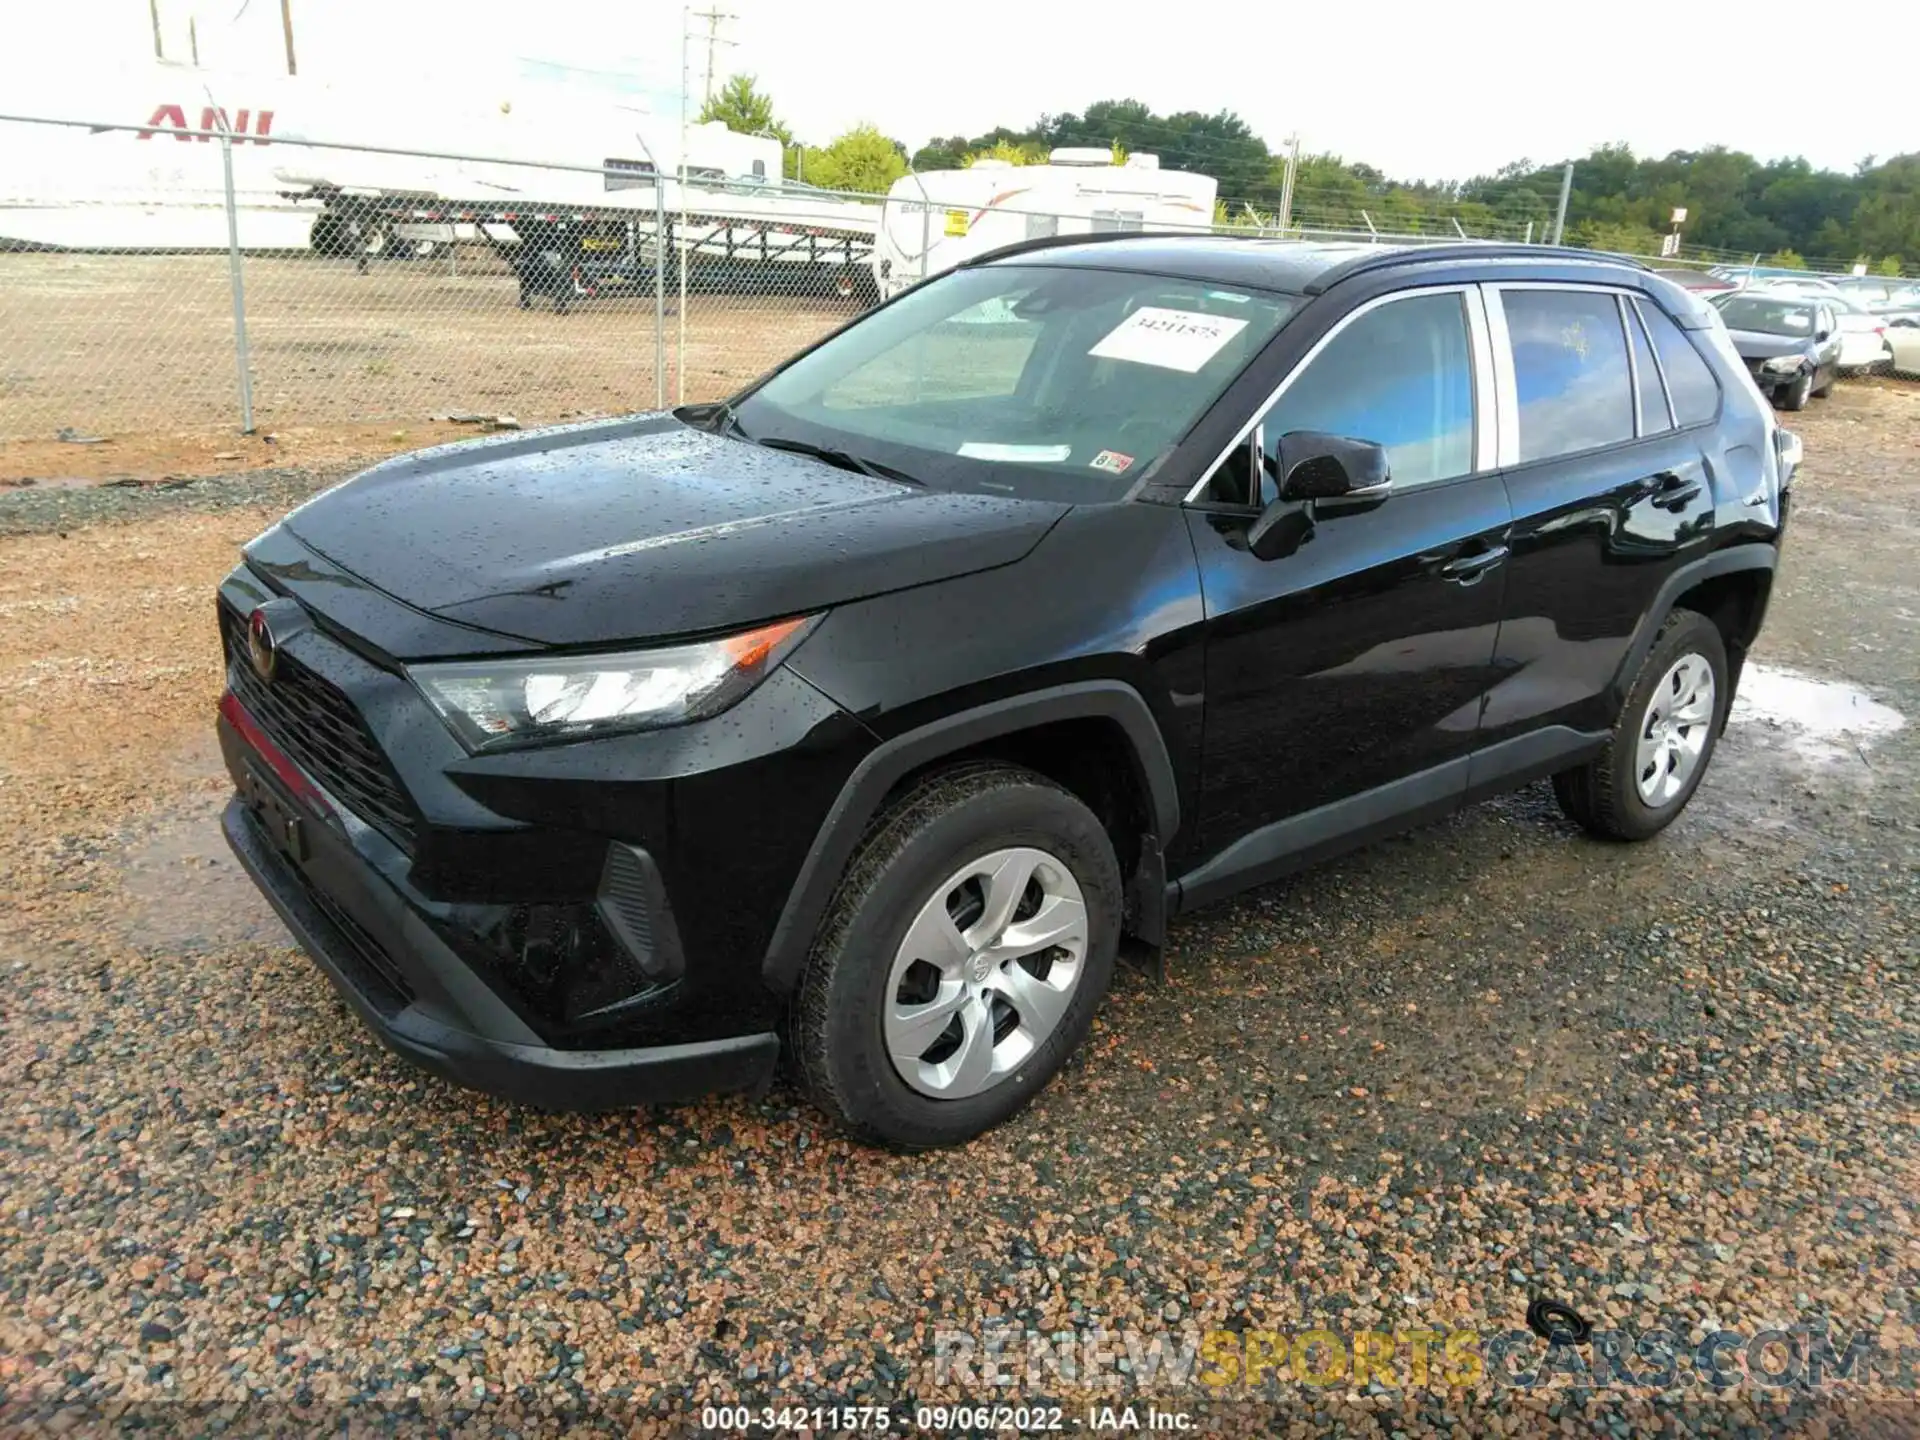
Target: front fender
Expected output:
[884,767]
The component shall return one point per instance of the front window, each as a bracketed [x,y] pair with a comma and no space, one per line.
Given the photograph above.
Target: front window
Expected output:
[1048,381]
[1400,375]
[1761,316]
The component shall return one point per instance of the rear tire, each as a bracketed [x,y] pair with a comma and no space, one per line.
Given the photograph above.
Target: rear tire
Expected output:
[913,1026]
[1663,741]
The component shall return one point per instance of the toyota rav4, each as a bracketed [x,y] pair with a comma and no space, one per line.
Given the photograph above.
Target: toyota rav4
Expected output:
[856,719]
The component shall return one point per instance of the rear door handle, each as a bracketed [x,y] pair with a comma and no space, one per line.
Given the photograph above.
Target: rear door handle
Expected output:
[1676,492]
[1466,569]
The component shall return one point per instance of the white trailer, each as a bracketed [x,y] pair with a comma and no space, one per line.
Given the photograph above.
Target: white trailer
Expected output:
[934,221]
[156,183]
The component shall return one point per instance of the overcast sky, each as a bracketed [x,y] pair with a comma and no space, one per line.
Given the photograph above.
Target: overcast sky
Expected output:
[1418,89]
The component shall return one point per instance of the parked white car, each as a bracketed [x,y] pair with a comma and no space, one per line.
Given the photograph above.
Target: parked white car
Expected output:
[1903,343]
[1805,285]
[1889,298]
[1863,338]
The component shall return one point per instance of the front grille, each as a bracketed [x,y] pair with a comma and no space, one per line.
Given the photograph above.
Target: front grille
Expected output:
[316,724]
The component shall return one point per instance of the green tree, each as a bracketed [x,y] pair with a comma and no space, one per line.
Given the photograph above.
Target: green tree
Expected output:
[862,159]
[1614,236]
[1889,265]
[741,105]
[1734,202]
[1221,144]
[1786,260]
[1012,152]
[1887,221]
[948,154]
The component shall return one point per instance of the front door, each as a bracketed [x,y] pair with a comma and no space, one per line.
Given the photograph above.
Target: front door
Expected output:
[1344,677]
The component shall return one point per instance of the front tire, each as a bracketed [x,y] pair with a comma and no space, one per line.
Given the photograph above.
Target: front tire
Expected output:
[961,961]
[1663,741]
[1796,395]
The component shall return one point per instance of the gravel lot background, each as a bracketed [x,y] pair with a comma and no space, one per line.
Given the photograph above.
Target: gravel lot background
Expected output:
[136,352]
[1671,1084]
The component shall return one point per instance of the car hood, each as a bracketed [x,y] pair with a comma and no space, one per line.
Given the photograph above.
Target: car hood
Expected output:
[646,527]
[1757,345]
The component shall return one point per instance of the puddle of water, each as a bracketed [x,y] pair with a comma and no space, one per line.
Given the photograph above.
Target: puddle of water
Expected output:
[184,891]
[1820,719]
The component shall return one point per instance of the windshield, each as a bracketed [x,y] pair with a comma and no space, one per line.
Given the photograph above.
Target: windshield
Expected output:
[1767,317]
[1043,381]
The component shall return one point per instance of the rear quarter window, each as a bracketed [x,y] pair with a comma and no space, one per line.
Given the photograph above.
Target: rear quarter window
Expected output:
[1690,383]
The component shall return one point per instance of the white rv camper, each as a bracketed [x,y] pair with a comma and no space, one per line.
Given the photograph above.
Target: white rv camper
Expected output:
[934,221]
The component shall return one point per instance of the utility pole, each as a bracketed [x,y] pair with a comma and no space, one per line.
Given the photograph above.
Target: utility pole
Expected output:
[159,50]
[713,19]
[1286,184]
[286,29]
[1560,217]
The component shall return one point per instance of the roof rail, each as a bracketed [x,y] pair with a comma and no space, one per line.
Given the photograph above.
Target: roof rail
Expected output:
[1050,242]
[1471,250]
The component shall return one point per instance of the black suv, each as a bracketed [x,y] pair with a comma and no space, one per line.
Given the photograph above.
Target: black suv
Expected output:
[860,716]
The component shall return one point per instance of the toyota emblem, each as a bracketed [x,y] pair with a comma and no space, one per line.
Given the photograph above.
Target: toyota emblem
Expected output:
[260,644]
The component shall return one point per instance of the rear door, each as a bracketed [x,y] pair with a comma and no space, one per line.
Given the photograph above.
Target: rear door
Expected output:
[1608,451]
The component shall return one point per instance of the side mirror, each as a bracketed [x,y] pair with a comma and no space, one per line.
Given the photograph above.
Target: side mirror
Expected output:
[1314,465]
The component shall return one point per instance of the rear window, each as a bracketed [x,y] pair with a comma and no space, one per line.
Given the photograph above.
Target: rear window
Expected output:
[1570,369]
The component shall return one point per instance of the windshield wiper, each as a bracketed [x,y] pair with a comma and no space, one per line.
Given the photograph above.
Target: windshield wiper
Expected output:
[845,459]
[725,422]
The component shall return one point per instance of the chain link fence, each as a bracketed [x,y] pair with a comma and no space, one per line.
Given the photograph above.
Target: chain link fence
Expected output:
[250,297]
[270,286]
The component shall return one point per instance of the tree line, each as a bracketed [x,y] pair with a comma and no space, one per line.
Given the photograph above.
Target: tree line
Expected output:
[1784,210]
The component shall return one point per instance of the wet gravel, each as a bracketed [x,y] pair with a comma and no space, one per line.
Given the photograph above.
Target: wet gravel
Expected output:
[1673,1085]
[42,508]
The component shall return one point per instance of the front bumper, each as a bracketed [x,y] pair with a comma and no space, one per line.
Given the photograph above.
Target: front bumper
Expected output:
[1771,380]
[438,1015]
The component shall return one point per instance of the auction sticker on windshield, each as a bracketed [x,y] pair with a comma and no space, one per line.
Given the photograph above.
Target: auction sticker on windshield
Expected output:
[1172,339]
[1030,454]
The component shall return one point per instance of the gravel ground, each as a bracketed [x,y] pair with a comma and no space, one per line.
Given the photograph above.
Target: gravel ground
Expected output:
[138,351]
[1674,1085]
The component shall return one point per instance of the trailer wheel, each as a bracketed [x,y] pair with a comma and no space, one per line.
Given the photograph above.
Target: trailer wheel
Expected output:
[332,234]
[856,283]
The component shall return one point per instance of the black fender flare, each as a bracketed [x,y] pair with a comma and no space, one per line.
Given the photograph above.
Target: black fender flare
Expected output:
[1755,555]
[883,768]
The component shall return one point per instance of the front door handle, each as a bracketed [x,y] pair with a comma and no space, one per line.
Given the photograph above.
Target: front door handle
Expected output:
[1675,492]
[1467,569]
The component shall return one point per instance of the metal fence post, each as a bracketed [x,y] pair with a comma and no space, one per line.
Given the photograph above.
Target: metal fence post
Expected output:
[1560,215]
[659,290]
[240,356]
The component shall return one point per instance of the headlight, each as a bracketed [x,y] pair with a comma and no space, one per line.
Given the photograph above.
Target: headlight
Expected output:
[1783,364]
[493,703]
